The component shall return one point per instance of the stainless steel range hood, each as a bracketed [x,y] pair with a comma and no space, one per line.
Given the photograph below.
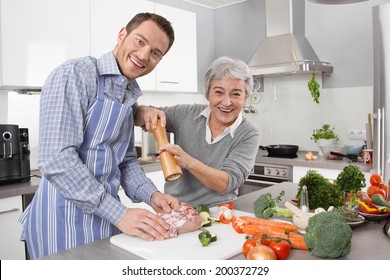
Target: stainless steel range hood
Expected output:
[285,50]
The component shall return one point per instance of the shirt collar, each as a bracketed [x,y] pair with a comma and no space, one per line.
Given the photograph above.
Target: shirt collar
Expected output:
[230,129]
[107,65]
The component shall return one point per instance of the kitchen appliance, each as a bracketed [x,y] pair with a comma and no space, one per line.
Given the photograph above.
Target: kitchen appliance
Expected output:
[285,50]
[14,154]
[380,117]
[265,175]
[285,151]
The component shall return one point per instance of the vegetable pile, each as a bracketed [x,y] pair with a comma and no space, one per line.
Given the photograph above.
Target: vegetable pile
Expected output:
[328,235]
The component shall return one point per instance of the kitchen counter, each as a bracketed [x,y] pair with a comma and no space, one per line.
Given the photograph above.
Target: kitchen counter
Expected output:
[368,240]
[320,162]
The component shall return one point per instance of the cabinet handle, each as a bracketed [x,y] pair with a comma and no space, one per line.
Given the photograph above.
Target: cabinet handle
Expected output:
[10,210]
[169,82]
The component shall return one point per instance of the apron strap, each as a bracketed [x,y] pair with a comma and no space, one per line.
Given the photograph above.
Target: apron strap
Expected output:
[101,88]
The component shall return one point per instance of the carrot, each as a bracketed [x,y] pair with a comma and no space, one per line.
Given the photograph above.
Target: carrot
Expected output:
[265,222]
[297,241]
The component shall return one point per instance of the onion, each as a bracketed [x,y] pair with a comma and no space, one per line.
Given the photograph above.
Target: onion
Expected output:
[261,252]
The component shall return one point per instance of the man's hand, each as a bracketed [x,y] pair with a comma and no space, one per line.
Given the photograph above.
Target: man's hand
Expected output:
[144,224]
[148,116]
[164,203]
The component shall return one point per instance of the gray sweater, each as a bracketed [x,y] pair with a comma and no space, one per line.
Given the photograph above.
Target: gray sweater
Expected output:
[235,155]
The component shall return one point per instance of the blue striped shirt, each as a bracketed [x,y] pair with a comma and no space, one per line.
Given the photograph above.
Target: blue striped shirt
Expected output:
[67,96]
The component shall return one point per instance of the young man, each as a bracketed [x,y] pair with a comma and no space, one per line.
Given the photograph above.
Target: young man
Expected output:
[87,147]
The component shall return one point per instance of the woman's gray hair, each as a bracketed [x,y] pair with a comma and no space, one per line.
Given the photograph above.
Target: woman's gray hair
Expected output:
[227,68]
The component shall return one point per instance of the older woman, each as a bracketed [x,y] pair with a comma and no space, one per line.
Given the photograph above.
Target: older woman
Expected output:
[214,144]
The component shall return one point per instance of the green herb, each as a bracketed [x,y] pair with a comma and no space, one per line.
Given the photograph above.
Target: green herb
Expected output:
[351,180]
[314,88]
[322,193]
[325,132]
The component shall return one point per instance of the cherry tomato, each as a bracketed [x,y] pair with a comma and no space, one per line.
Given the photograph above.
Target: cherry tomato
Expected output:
[376,179]
[281,248]
[229,205]
[261,252]
[248,244]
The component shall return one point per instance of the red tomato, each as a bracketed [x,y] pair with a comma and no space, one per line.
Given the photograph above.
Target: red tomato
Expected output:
[261,252]
[238,224]
[374,189]
[266,241]
[247,246]
[281,248]
[229,205]
[386,189]
[223,220]
[376,179]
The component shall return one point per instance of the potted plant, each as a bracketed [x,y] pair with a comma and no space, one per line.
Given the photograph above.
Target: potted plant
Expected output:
[350,181]
[325,136]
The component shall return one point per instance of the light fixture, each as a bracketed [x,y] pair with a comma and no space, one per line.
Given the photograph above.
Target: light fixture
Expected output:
[335,2]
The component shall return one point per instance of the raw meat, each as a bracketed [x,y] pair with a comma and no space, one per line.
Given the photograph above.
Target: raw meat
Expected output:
[182,221]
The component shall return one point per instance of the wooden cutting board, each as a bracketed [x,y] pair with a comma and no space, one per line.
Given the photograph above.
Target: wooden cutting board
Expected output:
[187,246]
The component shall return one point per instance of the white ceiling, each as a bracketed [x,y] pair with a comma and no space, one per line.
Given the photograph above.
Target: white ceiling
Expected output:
[213,4]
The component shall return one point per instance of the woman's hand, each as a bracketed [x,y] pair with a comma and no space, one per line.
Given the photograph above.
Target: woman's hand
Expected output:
[183,159]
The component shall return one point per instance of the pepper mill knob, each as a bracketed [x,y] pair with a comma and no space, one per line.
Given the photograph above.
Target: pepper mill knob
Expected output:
[171,168]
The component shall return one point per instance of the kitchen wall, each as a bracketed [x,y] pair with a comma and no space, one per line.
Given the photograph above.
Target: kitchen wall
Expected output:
[340,34]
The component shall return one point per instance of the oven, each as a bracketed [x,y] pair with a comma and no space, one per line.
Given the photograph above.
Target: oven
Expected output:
[264,175]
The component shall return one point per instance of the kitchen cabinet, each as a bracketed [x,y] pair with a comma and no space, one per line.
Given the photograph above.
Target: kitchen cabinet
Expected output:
[330,174]
[11,248]
[177,71]
[36,36]
[157,178]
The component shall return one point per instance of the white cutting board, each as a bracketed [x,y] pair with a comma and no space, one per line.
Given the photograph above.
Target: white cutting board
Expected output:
[187,246]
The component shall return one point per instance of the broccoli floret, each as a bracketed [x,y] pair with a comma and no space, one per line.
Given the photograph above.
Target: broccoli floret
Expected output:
[328,235]
[266,206]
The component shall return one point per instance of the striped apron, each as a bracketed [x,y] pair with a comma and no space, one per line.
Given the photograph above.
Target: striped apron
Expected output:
[53,224]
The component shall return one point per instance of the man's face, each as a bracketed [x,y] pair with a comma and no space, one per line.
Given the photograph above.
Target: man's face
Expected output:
[138,53]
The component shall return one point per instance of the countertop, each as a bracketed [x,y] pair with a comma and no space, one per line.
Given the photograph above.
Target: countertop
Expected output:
[320,162]
[368,240]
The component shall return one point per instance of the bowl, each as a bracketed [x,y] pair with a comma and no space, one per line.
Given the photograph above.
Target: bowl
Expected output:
[355,150]
[339,149]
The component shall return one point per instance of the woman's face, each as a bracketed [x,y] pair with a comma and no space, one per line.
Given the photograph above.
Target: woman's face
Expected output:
[139,52]
[226,99]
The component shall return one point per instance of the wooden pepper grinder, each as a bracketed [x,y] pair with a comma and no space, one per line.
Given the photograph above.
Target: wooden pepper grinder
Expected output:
[171,169]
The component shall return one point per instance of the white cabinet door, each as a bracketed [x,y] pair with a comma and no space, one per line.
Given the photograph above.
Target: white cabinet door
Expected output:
[11,248]
[158,179]
[37,36]
[177,71]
